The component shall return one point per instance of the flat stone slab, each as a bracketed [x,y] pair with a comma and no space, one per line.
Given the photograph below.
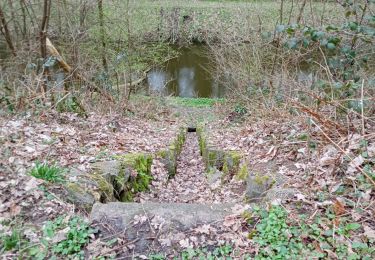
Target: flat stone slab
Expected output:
[155,227]
[179,215]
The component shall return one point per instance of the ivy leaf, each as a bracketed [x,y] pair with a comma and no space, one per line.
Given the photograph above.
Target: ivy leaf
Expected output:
[292,44]
[359,245]
[353,26]
[306,42]
[331,46]
[280,28]
[320,34]
[352,226]
[331,28]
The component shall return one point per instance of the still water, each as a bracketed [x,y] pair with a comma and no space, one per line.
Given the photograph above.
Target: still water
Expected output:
[189,75]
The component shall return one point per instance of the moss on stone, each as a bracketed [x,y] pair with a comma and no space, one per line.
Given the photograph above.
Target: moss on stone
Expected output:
[141,164]
[225,168]
[105,188]
[235,156]
[174,150]
[202,139]
[243,173]
[162,153]
[78,195]
[124,182]
[127,196]
[232,160]
[261,179]
[211,158]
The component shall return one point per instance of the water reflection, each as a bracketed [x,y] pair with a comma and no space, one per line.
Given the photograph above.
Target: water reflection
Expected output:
[186,76]
[157,80]
[186,82]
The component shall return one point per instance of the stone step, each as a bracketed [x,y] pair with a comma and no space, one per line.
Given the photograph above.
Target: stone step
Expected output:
[148,227]
[174,215]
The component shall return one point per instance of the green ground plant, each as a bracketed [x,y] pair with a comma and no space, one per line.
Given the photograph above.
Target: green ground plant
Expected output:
[216,253]
[10,242]
[50,173]
[63,237]
[280,237]
[196,102]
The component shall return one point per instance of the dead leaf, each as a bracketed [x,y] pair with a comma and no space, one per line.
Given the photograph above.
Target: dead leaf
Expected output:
[338,207]
[205,229]
[185,243]
[229,221]
[15,210]
[369,232]
[61,235]
[32,184]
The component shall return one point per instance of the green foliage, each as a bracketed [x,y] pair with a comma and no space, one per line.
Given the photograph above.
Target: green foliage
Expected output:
[221,252]
[197,102]
[281,237]
[74,233]
[345,47]
[273,236]
[240,109]
[10,242]
[71,105]
[50,173]
[76,238]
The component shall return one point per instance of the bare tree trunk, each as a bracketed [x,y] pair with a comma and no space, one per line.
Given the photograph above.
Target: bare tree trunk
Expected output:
[24,26]
[44,27]
[43,43]
[281,11]
[13,18]
[59,19]
[291,12]
[129,50]
[299,17]
[82,13]
[102,34]
[8,38]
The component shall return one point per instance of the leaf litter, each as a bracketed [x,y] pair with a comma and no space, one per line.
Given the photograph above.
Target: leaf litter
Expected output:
[323,176]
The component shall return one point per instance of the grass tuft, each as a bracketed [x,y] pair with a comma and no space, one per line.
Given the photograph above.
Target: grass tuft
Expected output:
[50,173]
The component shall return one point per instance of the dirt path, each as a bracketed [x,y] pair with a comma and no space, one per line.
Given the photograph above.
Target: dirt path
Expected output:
[190,185]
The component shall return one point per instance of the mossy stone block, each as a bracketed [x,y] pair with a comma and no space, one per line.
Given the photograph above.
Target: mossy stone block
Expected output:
[79,196]
[257,186]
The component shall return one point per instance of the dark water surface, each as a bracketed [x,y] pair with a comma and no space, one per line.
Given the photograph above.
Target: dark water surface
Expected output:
[189,75]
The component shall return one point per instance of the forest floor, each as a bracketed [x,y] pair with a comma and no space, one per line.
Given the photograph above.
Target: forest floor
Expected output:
[327,212]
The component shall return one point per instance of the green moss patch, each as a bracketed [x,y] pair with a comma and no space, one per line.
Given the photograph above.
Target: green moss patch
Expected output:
[116,180]
[226,161]
[171,154]
[135,175]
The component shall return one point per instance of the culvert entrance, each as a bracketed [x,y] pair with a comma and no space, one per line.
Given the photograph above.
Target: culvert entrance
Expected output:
[191,129]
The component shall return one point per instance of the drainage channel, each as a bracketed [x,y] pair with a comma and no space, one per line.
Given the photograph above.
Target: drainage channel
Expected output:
[181,197]
[191,183]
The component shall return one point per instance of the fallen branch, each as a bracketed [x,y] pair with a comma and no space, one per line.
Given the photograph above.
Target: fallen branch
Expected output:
[52,51]
[326,122]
